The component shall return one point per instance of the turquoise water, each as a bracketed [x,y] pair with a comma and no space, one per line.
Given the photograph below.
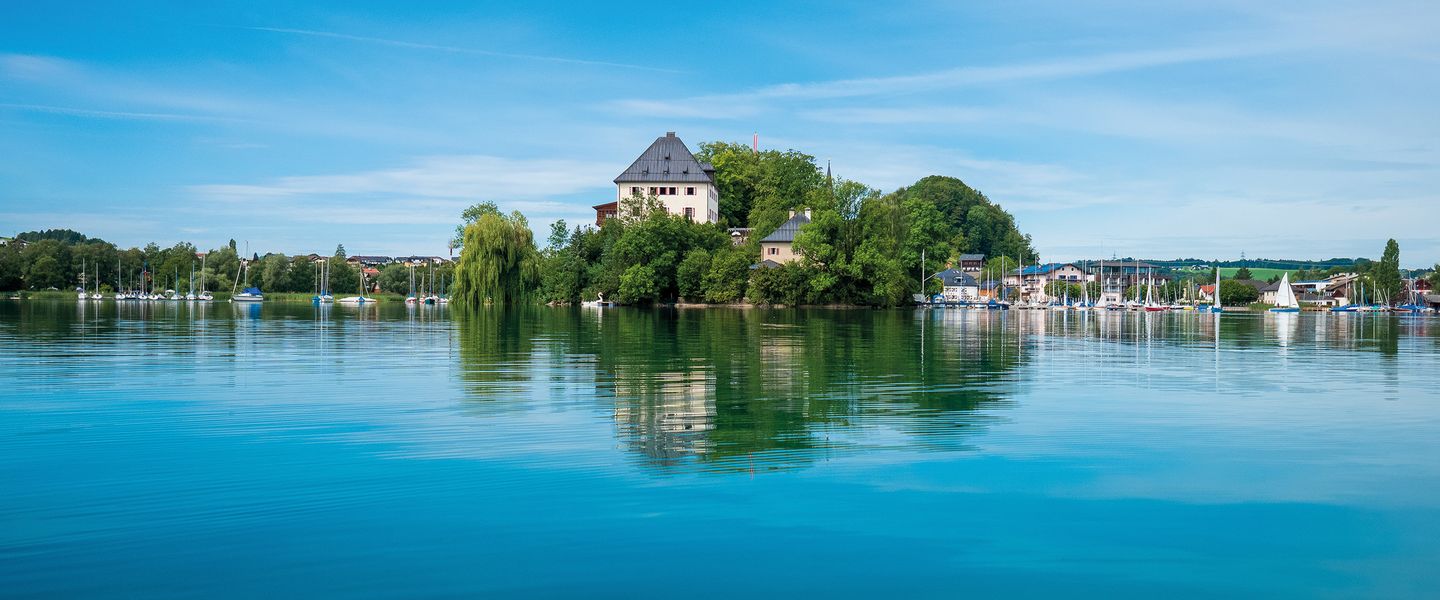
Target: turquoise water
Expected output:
[285,450]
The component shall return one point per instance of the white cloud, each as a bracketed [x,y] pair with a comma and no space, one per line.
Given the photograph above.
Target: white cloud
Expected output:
[472,177]
[456,49]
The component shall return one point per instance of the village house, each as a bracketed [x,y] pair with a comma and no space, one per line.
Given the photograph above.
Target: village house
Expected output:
[1117,276]
[1032,279]
[779,245]
[958,286]
[668,172]
[971,263]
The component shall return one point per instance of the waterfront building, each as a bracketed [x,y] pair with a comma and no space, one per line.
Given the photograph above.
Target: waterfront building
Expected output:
[1118,276]
[1030,282]
[971,263]
[669,173]
[958,286]
[779,245]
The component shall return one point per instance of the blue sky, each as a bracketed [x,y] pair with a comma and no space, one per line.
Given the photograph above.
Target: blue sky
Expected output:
[1203,129]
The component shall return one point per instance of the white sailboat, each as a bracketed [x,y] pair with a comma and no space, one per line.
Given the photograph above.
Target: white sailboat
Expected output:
[1285,297]
[361,299]
[249,294]
[1215,305]
[203,296]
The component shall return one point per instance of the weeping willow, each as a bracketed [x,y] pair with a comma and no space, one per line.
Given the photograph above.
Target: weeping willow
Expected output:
[498,262]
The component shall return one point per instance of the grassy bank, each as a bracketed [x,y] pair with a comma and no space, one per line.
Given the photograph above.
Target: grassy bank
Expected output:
[1256,273]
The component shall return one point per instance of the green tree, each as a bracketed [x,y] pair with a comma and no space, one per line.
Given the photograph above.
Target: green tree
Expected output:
[1386,274]
[1243,273]
[1433,278]
[639,285]
[274,272]
[758,188]
[47,265]
[468,217]
[45,272]
[690,274]
[395,278]
[728,276]
[1234,293]
[498,262]
[12,268]
[344,279]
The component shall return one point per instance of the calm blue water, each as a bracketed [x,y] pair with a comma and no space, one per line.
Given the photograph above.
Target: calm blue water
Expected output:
[160,451]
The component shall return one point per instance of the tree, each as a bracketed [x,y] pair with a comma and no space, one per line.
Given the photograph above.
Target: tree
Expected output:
[339,250]
[498,261]
[275,273]
[786,284]
[45,272]
[394,278]
[690,275]
[1386,274]
[1234,293]
[12,268]
[728,276]
[469,216]
[639,285]
[344,279]
[1243,273]
[1434,278]
[758,188]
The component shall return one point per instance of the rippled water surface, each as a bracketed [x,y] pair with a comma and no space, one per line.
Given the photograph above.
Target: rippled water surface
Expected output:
[285,450]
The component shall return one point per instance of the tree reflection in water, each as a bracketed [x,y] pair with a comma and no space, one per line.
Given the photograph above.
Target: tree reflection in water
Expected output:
[723,389]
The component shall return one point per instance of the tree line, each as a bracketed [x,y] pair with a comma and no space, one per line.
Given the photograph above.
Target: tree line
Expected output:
[860,247]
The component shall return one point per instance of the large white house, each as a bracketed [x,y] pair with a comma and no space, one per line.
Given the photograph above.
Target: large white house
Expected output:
[669,172]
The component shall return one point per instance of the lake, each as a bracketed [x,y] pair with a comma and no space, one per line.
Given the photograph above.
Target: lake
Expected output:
[166,450]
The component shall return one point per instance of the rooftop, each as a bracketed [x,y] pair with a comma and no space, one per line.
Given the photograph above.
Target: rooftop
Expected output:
[667,160]
[787,230]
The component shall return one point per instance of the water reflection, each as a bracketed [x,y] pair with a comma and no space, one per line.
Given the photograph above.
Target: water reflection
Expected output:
[736,389]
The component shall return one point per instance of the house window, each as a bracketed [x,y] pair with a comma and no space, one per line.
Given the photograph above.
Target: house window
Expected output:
[672,191]
[690,191]
[772,251]
[635,191]
[690,213]
[654,191]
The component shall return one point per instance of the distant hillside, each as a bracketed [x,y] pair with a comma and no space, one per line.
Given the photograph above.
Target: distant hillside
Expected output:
[66,236]
[1261,263]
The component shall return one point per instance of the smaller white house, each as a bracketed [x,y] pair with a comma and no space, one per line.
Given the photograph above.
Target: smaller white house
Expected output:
[958,286]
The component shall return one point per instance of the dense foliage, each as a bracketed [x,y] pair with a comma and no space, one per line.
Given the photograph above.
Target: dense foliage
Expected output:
[498,263]
[1235,293]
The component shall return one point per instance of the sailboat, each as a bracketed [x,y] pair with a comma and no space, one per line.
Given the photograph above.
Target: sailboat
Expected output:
[191,295]
[1285,297]
[82,295]
[361,299]
[322,284]
[249,294]
[96,295]
[1215,305]
[430,297]
[1150,304]
[203,296]
[411,298]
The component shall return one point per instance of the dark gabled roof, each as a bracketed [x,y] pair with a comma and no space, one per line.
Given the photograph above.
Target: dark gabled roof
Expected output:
[666,161]
[765,264]
[954,278]
[787,230]
[969,257]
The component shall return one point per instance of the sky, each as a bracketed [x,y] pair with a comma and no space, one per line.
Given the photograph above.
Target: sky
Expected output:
[1131,128]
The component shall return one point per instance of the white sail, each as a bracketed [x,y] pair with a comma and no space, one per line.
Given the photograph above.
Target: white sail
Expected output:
[1285,297]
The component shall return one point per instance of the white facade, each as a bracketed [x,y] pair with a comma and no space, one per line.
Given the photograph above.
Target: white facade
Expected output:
[702,199]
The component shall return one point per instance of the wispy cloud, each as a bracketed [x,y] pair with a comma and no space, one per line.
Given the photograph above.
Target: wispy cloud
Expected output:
[114,114]
[470,177]
[457,49]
